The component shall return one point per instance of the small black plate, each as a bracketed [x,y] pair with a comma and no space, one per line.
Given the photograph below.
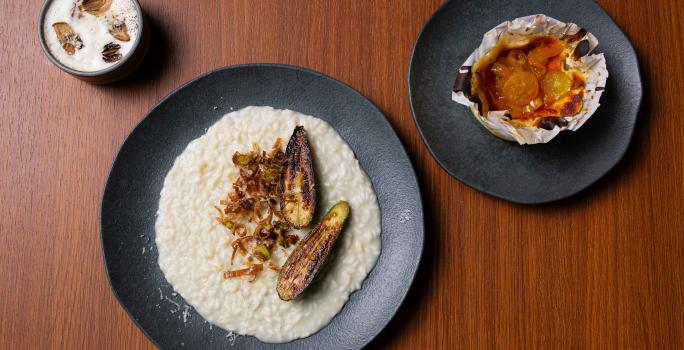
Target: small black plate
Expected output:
[532,173]
[131,199]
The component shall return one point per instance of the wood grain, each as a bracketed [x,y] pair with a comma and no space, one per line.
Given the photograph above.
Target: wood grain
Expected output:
[604,269]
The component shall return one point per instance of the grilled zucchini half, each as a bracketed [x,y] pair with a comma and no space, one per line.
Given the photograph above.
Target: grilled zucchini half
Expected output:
[308,257]
[297,183]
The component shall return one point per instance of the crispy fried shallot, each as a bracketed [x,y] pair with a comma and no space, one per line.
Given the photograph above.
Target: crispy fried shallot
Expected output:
[252,210]
[250,271]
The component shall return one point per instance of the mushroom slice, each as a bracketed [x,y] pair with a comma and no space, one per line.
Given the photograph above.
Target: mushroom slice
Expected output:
[110,52]
[95,7]
[69,40]
[119,30]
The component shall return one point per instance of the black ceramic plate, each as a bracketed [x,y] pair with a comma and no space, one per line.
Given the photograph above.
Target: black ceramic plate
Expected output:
[532,173]
[131,198]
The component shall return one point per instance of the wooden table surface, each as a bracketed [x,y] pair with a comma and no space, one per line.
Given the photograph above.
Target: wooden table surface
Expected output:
[604,269]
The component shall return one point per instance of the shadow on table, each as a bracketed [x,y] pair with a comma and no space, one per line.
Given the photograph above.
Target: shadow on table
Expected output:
[155,61]
[633,156]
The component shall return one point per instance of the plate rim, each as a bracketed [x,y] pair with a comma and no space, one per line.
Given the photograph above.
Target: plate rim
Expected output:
[411,168]
[630,49]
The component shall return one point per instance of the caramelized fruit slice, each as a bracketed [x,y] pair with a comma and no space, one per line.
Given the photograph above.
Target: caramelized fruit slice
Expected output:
[95,7]
[501,70]
[533,105]
[554,63]
[501,73]
[540,55]
[520,88]
[555,84]
[516,59]
[69,40]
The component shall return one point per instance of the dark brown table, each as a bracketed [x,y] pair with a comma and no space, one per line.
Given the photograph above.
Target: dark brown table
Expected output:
[604,269]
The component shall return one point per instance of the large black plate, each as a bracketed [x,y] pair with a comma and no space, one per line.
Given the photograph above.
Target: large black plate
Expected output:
[525,174]
[131,198]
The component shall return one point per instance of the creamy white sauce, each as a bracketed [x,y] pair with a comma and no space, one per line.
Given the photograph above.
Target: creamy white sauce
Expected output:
[194,249]
[93,31]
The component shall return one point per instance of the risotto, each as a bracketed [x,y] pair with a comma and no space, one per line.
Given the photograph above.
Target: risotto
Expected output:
[195,250]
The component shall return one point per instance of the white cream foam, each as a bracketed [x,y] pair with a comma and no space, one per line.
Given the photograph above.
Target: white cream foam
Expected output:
[93,31]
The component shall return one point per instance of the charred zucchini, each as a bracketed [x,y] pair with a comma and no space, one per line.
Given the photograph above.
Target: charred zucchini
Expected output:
[305,261]
[297,181]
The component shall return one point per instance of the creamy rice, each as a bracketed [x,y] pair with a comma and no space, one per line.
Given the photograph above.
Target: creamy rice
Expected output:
[194,249]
